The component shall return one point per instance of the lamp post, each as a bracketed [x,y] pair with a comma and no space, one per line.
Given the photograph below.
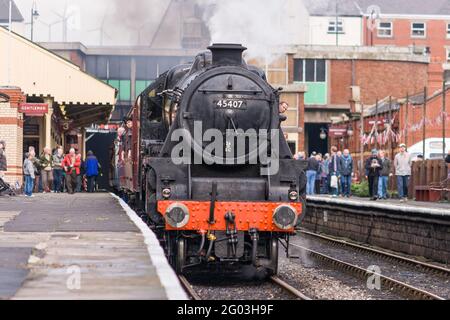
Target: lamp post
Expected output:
[34,15]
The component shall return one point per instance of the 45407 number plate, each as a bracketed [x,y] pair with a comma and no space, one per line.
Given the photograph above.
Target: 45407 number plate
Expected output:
[231,104]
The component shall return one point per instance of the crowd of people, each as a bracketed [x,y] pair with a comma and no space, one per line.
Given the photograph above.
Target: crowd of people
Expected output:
[331,173]
[334,172]
[56,172]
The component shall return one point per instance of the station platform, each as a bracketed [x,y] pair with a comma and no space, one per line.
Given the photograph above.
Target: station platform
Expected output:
[438,209]
[80,247]
[420,229]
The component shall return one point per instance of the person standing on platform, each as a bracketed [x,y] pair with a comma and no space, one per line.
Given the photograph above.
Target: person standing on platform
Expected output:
[58,158]
[335,171]
[311,173]
[347,173]
[46,161]
[29,174]
[92,171]
[3,163]
[81,174]
[373,167]
[300,156]
[385,173]
[71,165]
[319,158]
[324,173]
[402,165]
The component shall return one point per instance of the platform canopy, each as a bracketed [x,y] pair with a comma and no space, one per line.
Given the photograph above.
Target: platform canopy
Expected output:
[41,73]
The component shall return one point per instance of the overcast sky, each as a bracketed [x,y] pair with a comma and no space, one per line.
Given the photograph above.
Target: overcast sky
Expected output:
[84,24]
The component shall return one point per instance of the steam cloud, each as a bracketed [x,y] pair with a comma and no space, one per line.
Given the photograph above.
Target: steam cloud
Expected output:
[262,26]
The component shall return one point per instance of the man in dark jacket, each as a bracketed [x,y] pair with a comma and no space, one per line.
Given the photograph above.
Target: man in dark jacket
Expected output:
[373,167]
[3,163]
[347,173]
[92,170]
[311,173]
[385,173]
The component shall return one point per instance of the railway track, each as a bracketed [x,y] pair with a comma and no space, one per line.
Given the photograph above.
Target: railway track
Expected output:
[427,267]
[274,279]
[287,287]
[189,289]
[400,287]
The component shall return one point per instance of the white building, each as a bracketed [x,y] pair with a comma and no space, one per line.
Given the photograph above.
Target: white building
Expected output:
[333,23]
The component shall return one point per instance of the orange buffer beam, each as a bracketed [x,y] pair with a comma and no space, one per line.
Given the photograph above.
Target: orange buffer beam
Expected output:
[249,215]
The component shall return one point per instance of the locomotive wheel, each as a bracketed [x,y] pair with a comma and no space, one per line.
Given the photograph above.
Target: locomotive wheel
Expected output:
[274,255]
[180,258]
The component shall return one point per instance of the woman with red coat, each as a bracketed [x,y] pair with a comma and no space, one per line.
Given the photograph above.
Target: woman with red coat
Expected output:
[71,165]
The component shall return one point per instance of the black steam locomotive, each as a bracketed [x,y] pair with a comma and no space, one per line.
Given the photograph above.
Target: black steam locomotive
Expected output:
[208,162]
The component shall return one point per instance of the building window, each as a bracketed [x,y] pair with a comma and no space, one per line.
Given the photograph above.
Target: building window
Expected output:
[448,55]
[385,29]
[313,72]
[418,30]
[448,30]
[332,26]
[309,70]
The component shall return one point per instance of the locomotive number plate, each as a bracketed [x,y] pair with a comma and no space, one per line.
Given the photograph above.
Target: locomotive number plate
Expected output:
[231,104]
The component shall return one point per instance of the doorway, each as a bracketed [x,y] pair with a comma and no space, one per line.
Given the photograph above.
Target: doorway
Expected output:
[100,144]
[314,140]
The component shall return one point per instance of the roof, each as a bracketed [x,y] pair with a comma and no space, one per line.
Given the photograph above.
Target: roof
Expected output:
[4,12]
[408,7]
[118,50]
[328,7]
[387,7]
[40,72]
[415,99]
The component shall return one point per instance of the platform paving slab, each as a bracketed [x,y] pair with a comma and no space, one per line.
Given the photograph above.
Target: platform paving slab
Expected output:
[81,247]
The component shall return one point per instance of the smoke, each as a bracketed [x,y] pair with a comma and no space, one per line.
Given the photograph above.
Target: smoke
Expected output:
[262,26]
[136,21]
[95,22]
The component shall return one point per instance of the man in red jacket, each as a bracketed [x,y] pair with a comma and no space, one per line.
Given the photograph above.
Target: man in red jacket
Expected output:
[71,165]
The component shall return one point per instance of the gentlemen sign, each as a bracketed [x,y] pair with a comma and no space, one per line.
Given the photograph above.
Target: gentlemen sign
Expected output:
[33,109]
[338,131]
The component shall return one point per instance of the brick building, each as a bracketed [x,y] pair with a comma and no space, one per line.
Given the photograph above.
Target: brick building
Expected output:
[411,121]
[11,130]
[424,26]
[335,81]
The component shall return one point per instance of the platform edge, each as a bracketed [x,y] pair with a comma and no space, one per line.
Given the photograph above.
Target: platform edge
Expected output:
[167,276]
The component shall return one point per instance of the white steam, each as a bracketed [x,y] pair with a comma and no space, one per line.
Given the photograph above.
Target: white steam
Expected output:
[261,25]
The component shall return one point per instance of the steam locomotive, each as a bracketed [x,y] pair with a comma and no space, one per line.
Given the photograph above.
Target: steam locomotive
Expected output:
[204,156]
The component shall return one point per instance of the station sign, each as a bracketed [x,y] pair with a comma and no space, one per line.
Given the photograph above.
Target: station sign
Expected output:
[338,131]
[33,109]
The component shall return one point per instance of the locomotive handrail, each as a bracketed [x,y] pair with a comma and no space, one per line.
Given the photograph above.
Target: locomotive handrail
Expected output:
[230,91]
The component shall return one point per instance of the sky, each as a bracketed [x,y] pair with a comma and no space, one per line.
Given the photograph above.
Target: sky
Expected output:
[86,18]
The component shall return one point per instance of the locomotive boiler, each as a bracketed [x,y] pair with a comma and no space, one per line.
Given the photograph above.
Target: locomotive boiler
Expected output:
[204,156]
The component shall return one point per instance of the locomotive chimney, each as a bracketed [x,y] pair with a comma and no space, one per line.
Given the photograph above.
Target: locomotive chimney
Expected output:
[227,54]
